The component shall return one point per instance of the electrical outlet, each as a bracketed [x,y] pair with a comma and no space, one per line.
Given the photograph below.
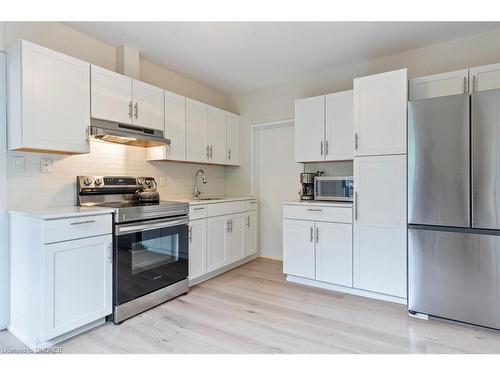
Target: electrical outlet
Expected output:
[162,181]
[18,164]
[45,165]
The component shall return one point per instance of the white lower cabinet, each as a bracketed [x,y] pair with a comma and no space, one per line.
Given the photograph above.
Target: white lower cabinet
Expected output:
[221,235]
[197,248]
[61,276]
[298,248]
[251,234]
[77,284]
[334,253]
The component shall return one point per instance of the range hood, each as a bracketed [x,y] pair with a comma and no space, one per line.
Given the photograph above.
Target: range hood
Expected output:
[126,134]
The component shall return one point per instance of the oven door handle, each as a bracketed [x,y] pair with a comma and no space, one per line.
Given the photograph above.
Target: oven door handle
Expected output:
[150,225]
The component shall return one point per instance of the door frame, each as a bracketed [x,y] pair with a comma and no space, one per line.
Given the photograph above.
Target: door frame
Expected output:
[254,149]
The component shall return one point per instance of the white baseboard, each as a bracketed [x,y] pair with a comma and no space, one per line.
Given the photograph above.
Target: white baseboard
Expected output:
[347,290]
[270,257]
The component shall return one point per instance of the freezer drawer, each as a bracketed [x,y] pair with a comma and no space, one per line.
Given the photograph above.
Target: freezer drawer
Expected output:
[455,275]
[439,161]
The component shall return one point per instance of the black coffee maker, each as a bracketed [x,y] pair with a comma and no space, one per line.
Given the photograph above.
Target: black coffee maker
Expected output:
[307,189]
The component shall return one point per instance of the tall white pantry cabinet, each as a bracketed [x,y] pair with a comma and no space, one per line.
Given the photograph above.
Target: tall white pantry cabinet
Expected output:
[380,103]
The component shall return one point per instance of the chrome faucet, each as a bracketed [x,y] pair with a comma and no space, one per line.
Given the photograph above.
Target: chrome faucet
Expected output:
[196,191]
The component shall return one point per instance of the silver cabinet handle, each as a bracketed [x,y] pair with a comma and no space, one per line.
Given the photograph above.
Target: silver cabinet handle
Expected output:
[326,147]
[229,154]
[314,210]
[356,198]
[190,234]
[208,152]
[248,221]
[87,135]
[474,82]
[198,208]
[466,90]
[317,234]
[136,107]
[82,222]
[312,235]
[356,141]
[227,226]
[211,152]
[130,109]
[321,143]
[231,225]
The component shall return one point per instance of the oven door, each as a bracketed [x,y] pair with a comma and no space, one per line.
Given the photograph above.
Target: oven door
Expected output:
[148,256]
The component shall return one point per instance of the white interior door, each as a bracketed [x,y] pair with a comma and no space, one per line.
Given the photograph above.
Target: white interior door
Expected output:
[277,181]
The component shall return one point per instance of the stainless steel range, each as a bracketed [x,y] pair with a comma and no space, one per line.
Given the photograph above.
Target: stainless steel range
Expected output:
[150,241]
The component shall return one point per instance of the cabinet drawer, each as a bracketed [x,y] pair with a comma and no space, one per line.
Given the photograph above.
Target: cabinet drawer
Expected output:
[198,211]
[218,209]
[76,227]
[318,213]
[252,205]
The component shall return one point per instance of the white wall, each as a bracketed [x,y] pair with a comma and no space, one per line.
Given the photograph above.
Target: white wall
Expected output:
[277,102]
[4,251]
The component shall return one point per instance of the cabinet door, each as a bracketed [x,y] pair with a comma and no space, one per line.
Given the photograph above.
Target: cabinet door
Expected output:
[310,129]
[149,105]
[380,104]
[55,100]
[216,134]
[111,96]
[175,125]
[217,241]
[236,246]
[334,253]
[232,139]
[298,248]
[339,144]
[437,85]
[251,234]
[76,284]
[485,77]
[197,248]
[380,224]
[196,131]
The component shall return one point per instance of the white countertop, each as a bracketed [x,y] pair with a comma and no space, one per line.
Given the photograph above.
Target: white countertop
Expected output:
[61,212]
[193,201]
[318,203]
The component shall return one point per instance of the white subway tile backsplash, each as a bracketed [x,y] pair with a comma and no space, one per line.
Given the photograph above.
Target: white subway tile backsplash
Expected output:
[58,188]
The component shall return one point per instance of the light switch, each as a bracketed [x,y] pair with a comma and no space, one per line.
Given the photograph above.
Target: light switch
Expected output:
[45,165]
[18,164]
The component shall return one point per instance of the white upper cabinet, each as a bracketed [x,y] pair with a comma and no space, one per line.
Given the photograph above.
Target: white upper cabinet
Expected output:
[310,129]
[197,149]
[148,105]
[175,125]
[216,135]
[380,224]
[380,103]
[111,95]
[339,143]
[451,83]
[232,139]
[485,77]
[48,100]
[119,98]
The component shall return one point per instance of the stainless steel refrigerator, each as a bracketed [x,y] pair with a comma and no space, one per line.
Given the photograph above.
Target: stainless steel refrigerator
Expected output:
[454,207]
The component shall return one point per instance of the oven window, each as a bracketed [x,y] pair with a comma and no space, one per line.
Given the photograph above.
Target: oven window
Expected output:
[149,251]
[149,260]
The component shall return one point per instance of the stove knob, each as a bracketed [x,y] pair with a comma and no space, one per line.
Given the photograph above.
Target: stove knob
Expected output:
[87,181]
[98,182]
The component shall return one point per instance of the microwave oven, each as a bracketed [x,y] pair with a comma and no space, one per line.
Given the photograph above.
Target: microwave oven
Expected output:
[334,188]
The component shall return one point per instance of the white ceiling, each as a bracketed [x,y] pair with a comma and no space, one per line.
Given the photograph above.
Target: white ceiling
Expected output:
[234,57]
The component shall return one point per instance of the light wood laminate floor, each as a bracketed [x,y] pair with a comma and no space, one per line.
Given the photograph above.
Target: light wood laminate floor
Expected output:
[252,309]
